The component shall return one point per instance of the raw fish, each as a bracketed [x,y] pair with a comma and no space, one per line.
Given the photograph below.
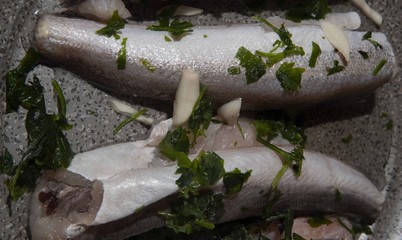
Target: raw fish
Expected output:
[211,51]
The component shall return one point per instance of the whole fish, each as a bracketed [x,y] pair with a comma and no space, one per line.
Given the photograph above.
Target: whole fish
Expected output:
[101,197]
[211,51]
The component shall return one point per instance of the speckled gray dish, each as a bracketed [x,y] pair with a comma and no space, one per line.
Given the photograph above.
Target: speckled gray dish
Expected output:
[374,148]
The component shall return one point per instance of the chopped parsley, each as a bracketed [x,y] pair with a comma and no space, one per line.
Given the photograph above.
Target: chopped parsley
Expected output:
[312,9]
[234,70]
[128,120]
[390,125]
[253,64]
[356,229]
[289,77]
[318,221]
[205,36]
[347,139]
[378,68]
[364,54]
[201,115]
[316,52]
[113,25]
[234,180]
[286,217]
[175,145]
[268,130]
[285,42]
[151,68]
[48,148]
[122,55]
[176,28]
[368,36]
[335,69]
[338,196]
[167,39]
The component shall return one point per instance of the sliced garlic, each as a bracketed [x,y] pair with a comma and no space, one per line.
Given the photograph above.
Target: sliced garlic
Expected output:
[187,11]
[337,37]
[125,109]
[186,96]
[230,111]
[368,11]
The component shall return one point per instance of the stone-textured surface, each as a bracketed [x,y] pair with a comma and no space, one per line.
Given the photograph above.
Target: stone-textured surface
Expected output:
[373,149]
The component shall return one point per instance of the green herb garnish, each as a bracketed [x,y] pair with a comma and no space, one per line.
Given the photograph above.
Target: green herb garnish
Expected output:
[167,39]
[347,139]
[356,229]
[312,9]
[122,55]
[175,145]
[175,27]
[234,70]
[364,54]
[297,237]
[234,180]
[316,52]
[201,115]
[378,68]
[338,196]
[368,36]
[335,69]
[287,218]
[318,221]
[285,41]
[254,66]
[390,125]
[113,25]
[194,213]
[148,65]
[129,120]
[269,129]
[289,77]
[48,148]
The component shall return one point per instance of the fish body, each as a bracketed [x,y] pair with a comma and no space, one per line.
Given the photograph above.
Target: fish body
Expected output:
[75,203]
[211,51]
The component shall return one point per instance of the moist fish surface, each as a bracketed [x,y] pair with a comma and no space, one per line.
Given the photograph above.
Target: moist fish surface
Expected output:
[211,51]
[115,203]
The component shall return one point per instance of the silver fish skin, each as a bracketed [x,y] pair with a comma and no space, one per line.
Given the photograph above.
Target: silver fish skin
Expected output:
[126,203]
[211,51]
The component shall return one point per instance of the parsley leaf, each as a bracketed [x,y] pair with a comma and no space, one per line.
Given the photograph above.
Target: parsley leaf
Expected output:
[175,144]
[6,163]
[15,81]
[364,54]
[113,25]
[122,55]
[234,70]
[289,77]
[318,221]
[311,9]
[378,68]
[368,36]
[48,148]
[129,119]
[316,52]
[253,64]
[201,115]
[176,27]
[194,213]
[234,180]
[151,68]
[269,129]
[335,69]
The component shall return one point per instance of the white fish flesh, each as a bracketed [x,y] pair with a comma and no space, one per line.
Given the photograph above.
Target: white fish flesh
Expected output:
[211,51]
[104,197]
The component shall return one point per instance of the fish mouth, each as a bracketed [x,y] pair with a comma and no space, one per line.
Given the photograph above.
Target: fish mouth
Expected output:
[67,199]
